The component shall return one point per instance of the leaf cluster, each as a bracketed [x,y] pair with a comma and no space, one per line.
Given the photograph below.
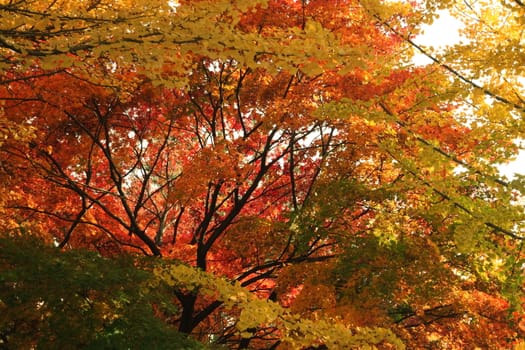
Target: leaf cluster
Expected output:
[77,299]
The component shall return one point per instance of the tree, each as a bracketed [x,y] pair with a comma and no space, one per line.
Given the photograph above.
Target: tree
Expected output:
[89,301]
[485,74]
[192,132]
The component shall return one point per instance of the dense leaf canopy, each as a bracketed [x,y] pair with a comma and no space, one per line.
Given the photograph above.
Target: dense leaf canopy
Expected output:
[261,174]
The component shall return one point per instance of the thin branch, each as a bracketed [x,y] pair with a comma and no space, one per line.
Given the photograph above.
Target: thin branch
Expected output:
[489,224]
[451,70]
[437,149]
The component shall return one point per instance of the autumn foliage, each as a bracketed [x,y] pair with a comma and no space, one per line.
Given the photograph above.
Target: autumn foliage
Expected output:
[273,174]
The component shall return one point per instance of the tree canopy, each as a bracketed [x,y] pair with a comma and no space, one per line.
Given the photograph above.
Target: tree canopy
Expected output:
[268,174]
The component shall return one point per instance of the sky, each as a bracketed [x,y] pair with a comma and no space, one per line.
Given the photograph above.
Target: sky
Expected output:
[444,31]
